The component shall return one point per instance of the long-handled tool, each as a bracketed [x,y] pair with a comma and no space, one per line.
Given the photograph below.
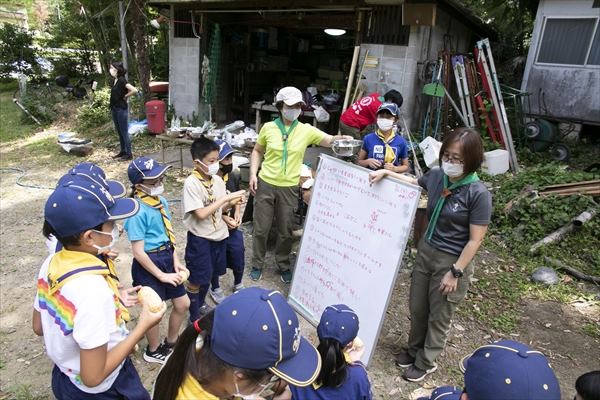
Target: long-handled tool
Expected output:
[18,104]
[418,170]
[438,90]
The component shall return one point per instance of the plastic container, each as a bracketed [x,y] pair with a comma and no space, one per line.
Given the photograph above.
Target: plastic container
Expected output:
[431,151]
[155,114]
[495,162]
[245,172]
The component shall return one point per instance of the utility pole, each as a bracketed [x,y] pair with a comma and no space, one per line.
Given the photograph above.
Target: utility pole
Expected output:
[123,37]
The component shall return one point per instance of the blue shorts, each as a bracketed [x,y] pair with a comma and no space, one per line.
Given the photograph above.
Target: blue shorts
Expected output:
[204,258]
[235,250]
[127,386]
[164,261]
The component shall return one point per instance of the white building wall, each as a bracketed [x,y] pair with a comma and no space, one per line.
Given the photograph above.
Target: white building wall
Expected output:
[570,92]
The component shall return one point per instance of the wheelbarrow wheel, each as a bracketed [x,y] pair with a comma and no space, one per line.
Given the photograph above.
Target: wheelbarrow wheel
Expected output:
[560,152]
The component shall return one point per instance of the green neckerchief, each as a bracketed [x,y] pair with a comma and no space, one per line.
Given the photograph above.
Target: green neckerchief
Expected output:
[285,135]
[446,192]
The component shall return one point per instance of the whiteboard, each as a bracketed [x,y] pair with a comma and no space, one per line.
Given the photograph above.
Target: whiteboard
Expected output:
[352,246]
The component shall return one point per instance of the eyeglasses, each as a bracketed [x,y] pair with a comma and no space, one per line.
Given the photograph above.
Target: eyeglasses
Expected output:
[454,159]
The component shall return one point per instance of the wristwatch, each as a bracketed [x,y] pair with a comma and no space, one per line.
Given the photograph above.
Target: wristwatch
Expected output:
[456,272]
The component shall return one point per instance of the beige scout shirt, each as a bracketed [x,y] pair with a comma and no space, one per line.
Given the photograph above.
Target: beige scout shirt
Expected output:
[195,196]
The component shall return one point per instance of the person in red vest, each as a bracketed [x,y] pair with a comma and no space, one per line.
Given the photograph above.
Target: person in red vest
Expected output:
[363,113]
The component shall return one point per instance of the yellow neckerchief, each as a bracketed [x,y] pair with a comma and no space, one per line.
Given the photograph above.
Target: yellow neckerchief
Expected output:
[191,389]
[66,265]
[390,156]
[154,202]
[208,185]
[225,178]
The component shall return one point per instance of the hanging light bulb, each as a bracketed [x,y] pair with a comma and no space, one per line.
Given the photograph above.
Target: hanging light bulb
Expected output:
[335,32]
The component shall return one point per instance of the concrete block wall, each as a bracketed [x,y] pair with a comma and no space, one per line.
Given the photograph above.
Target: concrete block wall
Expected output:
[398,66]
[184,73]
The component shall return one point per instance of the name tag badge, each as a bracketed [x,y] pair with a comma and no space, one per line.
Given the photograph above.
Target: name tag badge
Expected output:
[378,149]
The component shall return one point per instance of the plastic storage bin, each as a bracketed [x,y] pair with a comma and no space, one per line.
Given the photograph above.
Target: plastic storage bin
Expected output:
[495,162]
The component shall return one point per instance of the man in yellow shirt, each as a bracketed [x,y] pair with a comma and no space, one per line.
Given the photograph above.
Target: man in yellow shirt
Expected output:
[280,148]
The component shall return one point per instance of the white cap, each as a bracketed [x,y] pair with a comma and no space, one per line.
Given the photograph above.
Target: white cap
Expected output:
[289,95]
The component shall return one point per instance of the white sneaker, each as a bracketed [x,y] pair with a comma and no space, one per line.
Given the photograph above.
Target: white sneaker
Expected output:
[217,295]
[238,287]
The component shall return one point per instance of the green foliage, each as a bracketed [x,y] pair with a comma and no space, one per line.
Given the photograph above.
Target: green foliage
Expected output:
[11,127]
[95,113]
[17,54]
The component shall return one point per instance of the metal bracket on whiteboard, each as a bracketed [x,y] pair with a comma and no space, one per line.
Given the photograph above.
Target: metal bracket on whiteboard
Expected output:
[300,308]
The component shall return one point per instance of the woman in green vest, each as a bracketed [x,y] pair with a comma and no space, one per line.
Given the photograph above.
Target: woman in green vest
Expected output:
[459,209]
[279,151]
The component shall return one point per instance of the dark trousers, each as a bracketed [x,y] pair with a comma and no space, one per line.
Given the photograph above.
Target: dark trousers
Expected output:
[120,118]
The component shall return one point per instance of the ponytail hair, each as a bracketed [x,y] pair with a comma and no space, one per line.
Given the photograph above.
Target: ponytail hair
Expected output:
[189,357]
[333,368]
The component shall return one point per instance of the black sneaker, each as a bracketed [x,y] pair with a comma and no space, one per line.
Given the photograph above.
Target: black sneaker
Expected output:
[126,157]
[168,346]
[118,155]
[286,276]
[414,374]
[157,356]
[404,360]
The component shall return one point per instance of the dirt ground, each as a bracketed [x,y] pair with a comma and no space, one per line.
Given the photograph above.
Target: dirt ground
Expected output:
[25,370]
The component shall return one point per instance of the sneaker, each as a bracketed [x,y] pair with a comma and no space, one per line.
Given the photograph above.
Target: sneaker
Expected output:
[404,360]
[118,155]
[168,346]
[157,356]
[217,295]
[414,374]
[238,287]
[286,276]
[205,309]
[256,274]
[126,157]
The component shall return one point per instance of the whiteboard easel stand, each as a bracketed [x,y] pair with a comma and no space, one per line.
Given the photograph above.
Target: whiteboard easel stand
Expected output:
[306,314]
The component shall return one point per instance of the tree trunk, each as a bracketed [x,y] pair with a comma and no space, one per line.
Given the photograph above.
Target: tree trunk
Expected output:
[140,45]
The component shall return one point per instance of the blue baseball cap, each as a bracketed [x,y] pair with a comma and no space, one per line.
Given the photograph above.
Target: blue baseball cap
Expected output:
[224,149]
[145,168]
[93,172]
[83,204]
[256,328]
[338,322]
[392,108]
[444,393]
[509,370]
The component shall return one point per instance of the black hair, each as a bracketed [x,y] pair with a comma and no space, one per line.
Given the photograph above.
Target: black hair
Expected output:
[279,106]
[118,65]
[394,96]
[203,365]
[333,368]
[66,241]
[471,147]
[202,146]
[588,385]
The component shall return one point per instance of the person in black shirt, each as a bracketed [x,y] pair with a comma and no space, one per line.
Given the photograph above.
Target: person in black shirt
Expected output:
[119,93]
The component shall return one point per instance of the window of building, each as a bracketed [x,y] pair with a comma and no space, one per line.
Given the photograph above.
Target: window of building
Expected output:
[572,41]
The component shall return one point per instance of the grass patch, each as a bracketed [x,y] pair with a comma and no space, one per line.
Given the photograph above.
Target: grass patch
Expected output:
[12,127]
[592,329]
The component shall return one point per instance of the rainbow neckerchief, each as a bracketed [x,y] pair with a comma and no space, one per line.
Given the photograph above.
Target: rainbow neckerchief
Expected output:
[64,266]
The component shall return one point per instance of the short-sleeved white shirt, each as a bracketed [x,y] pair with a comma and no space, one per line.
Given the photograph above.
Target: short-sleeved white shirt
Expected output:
[195,196]
[80,315]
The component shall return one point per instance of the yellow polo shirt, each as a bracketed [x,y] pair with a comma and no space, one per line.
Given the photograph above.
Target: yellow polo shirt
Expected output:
[299,139]
[191,390]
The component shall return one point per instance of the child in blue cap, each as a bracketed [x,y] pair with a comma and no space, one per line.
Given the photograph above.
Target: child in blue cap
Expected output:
[90,171]
[385,148]
[77,307]
[341,377]
[204,200]
[155,263]
[233,218]
[244,347]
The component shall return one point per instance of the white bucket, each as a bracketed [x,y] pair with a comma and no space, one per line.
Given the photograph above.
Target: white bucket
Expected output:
[431,151]
[495,162]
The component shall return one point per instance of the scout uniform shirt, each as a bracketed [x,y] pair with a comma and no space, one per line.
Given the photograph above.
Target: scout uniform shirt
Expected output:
[195,196]
[271,138]
[355,387]
[376,148]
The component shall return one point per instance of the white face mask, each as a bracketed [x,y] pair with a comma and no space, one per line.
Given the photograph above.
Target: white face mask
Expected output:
[385,124]
[253,396]
[291,114]
[452,170]
[153,191]
[115,237]
[212,168]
